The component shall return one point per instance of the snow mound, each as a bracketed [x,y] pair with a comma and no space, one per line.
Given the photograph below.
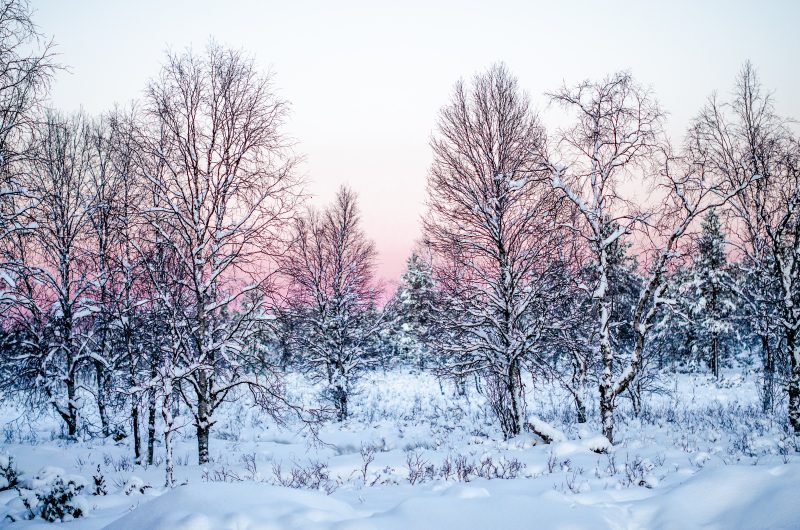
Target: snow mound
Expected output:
[729,497]
[240,506]
[597,444]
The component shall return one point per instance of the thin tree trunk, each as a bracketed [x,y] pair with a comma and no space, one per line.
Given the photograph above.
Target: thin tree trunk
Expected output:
[579,385]
[794,380]
[202,444]
[72,409]
[607,396]
[169,465]
[340,398]
[515,400]
[607,412]
[137,439]
[580,409]
[100,379]
[715,355]
[203,425]
[769,374]
[151,427]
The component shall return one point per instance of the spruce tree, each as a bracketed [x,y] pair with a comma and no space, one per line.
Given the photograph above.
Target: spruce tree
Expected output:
[711,302]
[411,309]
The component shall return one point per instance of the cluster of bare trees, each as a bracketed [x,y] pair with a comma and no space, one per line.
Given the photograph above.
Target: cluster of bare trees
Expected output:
[140,248]
[149,254]
[520,222]
[756,156]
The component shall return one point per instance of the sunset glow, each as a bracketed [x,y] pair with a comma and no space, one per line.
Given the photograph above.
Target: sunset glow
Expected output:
[366,79]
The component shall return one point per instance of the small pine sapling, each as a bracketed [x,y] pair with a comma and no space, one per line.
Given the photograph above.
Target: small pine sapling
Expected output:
[99,483]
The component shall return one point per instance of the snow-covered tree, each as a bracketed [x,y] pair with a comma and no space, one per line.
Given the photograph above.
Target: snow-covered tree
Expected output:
[224,190]
[51,271]
[745,140]
[493,229]
[331,266]
[102,245]
[410,318]
[617,128]
[26,69]
[710,294]
[616,135]
[128,269]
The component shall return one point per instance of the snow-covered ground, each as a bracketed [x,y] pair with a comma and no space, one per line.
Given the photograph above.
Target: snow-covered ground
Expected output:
[416,455]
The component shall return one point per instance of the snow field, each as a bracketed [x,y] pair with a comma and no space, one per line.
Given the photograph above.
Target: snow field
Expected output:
[415,454]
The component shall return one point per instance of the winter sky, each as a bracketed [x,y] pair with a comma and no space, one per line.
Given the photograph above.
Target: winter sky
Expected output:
[366,79]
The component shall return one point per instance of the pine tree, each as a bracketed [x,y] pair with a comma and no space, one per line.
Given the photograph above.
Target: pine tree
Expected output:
[711,300]
[624,286]
[410,311]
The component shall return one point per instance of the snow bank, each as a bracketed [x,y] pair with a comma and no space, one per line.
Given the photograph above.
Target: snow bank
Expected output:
[742,497]
[240,506]
[730,497]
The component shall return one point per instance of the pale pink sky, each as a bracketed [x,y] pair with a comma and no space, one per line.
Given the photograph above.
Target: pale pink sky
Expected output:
[366,79]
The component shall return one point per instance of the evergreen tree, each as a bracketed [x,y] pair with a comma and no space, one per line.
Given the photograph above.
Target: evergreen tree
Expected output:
[674,335]
[409,312]
[624,286]
[710,297]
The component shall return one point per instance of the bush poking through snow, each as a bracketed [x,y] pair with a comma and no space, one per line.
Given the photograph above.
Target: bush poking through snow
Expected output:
[135,485]
[417,467]
[461,469]
[99,483]
[9,474]
[59,502]
[315,477]
[52,495]
[637,472]
[367,457]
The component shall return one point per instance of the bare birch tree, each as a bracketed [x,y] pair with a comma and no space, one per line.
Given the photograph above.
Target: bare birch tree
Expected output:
[493,228]
[617,135]
[26,69]
[226,191]
[331,268]
[52,272]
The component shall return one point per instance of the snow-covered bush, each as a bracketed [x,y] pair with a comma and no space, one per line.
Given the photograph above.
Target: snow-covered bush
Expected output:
[52,495]
[135,486]
[99,483]
[9,474]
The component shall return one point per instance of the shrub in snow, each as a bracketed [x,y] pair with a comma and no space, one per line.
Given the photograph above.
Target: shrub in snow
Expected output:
[52,495]
[315,477]
[99,483]
[135,485]
[502,469]
[58,503]
[9,474]
[418,468]
[465,470]
[638,472]
[367,457]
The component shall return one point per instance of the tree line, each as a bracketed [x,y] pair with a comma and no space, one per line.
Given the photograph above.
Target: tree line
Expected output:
[162,256]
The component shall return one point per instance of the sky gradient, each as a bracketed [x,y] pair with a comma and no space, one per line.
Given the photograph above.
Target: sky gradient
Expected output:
[366,79]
